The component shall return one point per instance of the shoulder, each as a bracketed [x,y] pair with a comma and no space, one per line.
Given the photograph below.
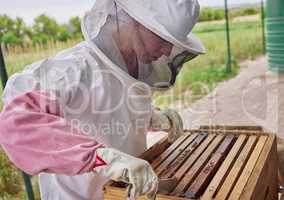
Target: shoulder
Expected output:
[67,68]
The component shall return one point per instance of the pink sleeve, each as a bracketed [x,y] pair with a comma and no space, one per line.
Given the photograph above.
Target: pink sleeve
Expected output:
[37,139]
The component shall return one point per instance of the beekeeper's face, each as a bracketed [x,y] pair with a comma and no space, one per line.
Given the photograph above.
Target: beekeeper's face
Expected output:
[148,46]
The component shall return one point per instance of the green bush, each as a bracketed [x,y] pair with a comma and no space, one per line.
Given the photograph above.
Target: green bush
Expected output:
[40,38]
[44,29]
[244,12]
[250,11]
[11,38]
[219,14]
[210,14]
[75,27]
[63,35]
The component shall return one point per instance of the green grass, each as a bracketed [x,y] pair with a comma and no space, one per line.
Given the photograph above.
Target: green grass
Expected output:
[9,178]
[197,78]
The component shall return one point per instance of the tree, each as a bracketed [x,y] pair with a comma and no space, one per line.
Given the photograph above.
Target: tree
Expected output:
[6,24]
[75,27]
[40,38]
[20,28]
[11,38]
[63,34]
[12,31]
[45,27]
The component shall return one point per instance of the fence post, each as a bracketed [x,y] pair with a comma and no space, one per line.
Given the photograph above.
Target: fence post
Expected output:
[3,72]
[263,27]
[28,186]
[229,54]
[4,78]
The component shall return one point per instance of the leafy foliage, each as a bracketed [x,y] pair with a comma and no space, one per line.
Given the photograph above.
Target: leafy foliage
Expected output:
[75,27]
[11,38]
[12,31]
[44,29]
[45,26]
[211,14]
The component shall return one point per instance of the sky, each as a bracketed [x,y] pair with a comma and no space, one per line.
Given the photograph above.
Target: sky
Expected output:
[63,10]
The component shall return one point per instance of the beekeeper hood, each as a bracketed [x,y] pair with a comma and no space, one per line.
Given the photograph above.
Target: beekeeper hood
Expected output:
[171,20]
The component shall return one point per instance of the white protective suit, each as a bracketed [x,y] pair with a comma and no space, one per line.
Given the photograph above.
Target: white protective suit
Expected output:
[88,83]
[100,98]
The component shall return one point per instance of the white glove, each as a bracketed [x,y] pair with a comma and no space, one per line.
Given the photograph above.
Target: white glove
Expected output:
[167,120]
[128,169]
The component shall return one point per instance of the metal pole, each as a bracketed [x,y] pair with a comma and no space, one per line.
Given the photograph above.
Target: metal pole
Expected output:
[3,72]
[4,78]
[28,186]
[229,57]
[263,27]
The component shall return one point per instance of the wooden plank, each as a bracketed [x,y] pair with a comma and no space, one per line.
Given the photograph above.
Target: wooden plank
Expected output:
[192,159]
[168,151]
[156,149]
[226,132]
[229,127]
[196,168]
[112,193]
[232,177]
[280,178]
[171,169]
[203,179]
[264,176]
[224,169]
[248,169]
[174,154]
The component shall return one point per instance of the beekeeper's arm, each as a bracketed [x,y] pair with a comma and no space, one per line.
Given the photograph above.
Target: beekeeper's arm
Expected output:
[38,139]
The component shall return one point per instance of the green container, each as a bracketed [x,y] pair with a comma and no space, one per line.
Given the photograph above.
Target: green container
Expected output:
[275,35]
[275,26]
[275,40]
[273,52]
[277,60]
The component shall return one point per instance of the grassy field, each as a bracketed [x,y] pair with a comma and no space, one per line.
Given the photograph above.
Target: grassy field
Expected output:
[197,78]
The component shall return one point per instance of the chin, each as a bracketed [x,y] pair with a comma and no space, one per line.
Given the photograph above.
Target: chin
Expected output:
[146,60]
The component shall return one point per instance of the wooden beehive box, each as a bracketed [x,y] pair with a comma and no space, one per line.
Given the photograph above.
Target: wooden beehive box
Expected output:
[214,162]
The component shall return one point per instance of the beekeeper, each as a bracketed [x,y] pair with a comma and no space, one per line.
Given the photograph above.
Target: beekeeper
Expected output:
[80,118]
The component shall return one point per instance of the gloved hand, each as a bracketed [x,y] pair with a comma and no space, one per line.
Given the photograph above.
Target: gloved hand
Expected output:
[128,169]
[167,120]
